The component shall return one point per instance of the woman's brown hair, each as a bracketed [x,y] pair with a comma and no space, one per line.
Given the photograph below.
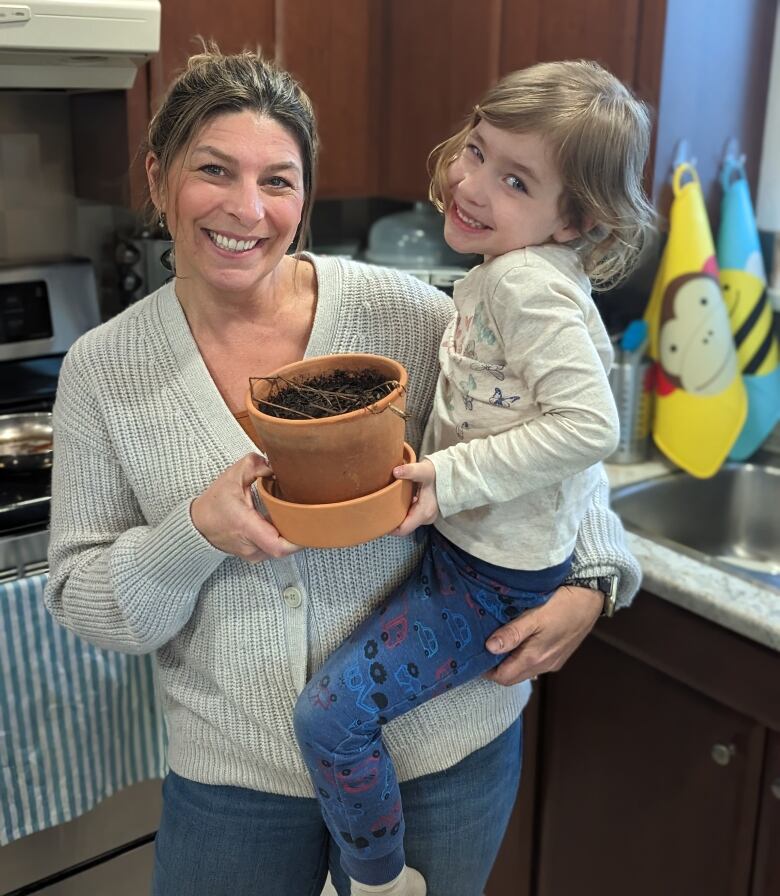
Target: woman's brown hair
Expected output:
[213,83]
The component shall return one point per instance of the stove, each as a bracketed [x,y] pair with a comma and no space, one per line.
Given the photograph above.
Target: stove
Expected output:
[44,308]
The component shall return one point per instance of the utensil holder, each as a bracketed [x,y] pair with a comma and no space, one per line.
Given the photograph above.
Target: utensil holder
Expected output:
[632,389]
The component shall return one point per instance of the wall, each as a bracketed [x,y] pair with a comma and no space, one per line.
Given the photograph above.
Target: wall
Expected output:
[40,216]
[37,205]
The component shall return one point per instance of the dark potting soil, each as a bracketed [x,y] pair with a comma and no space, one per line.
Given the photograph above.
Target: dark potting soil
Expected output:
[327,395]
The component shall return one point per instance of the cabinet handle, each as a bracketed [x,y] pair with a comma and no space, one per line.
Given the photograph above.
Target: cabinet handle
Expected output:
[775,788]
[722,753]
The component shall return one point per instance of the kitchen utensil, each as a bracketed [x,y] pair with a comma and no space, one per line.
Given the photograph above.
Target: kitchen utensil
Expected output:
[26,441]
[634,339]
[629,379]
[631,386]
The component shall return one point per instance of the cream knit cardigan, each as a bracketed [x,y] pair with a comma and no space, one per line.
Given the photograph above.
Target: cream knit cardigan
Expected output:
[140,430]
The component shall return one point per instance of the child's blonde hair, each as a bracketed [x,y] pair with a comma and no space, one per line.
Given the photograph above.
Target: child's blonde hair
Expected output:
[599,134]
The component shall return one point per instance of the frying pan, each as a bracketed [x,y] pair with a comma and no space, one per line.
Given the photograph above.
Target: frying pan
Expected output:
[26,441]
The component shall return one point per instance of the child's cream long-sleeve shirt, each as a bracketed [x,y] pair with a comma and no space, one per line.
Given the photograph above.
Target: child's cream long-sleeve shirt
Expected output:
[523,409]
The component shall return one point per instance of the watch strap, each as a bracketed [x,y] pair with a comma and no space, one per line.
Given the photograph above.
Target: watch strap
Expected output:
[607,585]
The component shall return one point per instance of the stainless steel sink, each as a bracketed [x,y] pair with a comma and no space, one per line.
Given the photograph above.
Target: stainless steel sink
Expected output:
[731,520]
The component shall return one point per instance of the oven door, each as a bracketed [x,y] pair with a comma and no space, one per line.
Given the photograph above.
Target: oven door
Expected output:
[82,752]
[108,850]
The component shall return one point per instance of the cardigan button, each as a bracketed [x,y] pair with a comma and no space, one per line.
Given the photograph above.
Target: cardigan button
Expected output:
[292,597]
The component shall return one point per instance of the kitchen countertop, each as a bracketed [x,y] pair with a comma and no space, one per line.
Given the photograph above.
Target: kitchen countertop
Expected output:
[751,609]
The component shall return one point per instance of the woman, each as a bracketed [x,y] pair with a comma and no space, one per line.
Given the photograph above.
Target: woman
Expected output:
[156,543]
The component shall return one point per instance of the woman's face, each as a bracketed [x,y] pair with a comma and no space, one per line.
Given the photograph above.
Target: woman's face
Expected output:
[233,201]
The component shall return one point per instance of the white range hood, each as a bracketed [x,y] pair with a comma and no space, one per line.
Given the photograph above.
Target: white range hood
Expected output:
[76,44]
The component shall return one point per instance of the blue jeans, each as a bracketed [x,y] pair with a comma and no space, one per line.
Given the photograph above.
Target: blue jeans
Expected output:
[229,841]
[429,636]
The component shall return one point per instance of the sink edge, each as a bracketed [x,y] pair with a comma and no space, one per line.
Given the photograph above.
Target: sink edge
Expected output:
[761,581]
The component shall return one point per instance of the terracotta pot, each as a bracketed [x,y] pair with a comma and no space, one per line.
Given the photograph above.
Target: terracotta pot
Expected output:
[333,459]
[345,523]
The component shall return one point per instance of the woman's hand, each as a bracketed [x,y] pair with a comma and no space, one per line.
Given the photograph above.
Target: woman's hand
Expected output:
[424,507]
[542,639]
[225,514]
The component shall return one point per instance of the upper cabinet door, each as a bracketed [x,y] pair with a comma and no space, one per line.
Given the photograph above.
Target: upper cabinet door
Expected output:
[333,48]
[604,30]
[439,57]
[239,25]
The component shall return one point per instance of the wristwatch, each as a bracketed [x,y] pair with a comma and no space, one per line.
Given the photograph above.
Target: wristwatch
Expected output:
[607,585]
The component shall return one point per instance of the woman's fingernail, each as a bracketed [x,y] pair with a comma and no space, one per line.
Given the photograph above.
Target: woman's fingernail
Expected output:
[495,644]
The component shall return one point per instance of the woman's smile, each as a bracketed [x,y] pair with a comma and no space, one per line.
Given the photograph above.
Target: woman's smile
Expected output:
[233,245]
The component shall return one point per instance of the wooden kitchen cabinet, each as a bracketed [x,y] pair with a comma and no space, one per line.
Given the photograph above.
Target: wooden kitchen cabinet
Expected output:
[334,49]
[511,874]
[109,127]
[702,68]
[439,57]
[657,764]
[649,787]
[606,30]
[391,78]
[766,881]
[234,26]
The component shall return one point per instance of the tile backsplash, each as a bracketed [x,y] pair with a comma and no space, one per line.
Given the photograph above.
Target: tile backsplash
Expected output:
[40,216]
[37,204]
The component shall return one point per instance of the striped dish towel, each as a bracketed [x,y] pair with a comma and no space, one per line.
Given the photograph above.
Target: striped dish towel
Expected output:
[76,723]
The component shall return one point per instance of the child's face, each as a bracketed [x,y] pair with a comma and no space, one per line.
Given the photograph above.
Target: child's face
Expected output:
[505,194]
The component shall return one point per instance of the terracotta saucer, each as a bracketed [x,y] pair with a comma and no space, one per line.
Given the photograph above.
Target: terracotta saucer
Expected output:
[344,524]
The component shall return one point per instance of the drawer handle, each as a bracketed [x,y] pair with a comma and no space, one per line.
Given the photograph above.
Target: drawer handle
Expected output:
[723,753]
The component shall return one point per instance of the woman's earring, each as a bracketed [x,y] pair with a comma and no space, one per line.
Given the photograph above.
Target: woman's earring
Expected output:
[161,220]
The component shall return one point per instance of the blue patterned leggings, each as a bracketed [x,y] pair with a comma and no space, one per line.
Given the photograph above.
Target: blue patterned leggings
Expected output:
[428,637]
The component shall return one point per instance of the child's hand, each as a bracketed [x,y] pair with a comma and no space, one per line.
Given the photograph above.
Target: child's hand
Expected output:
[424,508]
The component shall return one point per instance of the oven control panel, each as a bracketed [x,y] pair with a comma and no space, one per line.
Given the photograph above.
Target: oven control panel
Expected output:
[24,312]
[44,308]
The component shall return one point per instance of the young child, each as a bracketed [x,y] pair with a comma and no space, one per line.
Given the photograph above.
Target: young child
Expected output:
[545,181]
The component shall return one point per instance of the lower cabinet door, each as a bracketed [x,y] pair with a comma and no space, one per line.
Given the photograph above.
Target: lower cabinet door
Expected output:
[647,787]
[511,875]
[766,879]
